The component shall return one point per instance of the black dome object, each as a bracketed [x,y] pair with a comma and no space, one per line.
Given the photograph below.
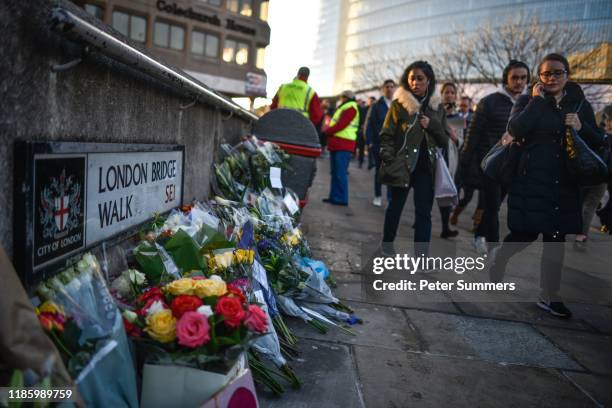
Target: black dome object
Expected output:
[286,126]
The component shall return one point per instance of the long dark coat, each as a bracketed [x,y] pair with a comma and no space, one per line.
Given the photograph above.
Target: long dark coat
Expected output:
[487,126]
[542,198]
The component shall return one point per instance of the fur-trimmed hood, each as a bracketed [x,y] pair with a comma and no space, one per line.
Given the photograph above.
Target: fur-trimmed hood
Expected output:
[411,104]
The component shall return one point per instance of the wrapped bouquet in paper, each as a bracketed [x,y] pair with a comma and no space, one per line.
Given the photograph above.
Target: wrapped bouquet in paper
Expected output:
[191,330]
[78,314]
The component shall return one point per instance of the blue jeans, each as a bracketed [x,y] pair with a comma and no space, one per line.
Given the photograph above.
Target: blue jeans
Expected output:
[422,182]
[339,181]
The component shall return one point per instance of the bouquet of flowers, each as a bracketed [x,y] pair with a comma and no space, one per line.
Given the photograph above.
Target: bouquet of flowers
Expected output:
[194,321]
[78,314]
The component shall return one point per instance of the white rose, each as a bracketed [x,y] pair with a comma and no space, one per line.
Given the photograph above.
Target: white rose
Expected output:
[216,277]
[130,316]
[136,277]
[205,310]
[157,306]
[122,285]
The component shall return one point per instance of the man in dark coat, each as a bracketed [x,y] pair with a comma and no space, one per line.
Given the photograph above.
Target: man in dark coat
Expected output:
[542,198]
[486,129]
[373,126]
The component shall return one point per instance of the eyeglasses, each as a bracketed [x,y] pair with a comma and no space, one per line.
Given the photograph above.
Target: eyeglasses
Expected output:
[549,74]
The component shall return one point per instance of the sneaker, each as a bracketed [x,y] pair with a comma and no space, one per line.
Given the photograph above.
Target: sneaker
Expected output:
[387,248]
[557,309]
[480,245]
[377,201]
[449,233]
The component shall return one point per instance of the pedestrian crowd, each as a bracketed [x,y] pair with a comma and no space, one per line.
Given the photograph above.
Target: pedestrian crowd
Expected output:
[416,137]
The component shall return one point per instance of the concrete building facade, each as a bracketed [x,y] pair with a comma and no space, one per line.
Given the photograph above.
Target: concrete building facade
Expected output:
[219,42]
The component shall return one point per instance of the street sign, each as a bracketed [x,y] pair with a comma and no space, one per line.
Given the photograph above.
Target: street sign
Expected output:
[71,196]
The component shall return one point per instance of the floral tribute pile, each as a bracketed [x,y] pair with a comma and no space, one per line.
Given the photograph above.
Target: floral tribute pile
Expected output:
[204,285]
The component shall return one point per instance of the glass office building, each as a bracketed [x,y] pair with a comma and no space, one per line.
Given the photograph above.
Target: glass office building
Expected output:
[369,31]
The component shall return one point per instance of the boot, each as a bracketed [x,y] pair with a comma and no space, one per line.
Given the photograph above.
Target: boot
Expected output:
[477,217]
[454,218]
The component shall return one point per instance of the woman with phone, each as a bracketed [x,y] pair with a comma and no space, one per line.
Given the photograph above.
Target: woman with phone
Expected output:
[542,199]
[414,127]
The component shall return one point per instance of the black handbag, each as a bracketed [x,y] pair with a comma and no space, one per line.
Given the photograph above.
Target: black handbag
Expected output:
[501,162]
[584,166]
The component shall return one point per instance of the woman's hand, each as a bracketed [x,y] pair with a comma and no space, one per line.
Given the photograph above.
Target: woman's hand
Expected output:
[538,90]
[572,120]
[424,121]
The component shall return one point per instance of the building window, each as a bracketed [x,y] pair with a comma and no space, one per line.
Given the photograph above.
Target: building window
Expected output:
[236,52]
[204,44]
[260,61]
[134,27]
[212,2]
[244,7]
[168,36]
[94,10]
[263,10]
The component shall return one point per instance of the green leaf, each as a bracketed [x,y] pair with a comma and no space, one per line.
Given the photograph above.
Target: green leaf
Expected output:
[150,262]
[184,251]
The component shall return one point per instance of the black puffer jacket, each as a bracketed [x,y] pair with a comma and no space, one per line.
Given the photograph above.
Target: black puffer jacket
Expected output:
[542,198]
[486,128]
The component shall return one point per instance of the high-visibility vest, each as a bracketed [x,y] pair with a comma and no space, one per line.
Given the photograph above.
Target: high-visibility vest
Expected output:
[349,132]
[295,95]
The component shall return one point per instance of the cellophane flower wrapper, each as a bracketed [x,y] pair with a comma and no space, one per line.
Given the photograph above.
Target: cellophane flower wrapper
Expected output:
[325,310]
[268,345]
[107,378]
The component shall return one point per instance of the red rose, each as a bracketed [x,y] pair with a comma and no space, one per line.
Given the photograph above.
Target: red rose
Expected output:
[231,309]
[256,319]
[152,293]
[198,277]
[184,303]
[235,291]
[131,329]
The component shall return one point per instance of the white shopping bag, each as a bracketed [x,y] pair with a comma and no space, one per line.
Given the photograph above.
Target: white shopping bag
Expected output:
[444,186]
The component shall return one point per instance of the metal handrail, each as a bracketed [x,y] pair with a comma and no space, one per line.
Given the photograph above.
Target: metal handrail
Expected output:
[77,29]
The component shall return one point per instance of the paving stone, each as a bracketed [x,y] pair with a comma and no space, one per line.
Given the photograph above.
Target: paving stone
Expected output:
[598,317]
[593,351]
[526,312]
[328,379]
[383,326]
[598,388]
[394,379]
[487,339]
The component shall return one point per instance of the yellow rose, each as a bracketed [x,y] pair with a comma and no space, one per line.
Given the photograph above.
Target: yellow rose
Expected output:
[161,326]
[210,287]
[50,307]
[182,286]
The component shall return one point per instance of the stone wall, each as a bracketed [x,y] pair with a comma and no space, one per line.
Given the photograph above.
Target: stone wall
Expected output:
[99,100]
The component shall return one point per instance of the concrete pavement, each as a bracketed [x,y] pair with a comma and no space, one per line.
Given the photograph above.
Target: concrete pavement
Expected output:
[438,351]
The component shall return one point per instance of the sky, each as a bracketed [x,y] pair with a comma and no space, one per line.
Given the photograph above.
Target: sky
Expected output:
[293,30]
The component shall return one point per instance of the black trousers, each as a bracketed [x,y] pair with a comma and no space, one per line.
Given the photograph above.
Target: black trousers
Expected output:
[492,196]
[468,193]
[551,263]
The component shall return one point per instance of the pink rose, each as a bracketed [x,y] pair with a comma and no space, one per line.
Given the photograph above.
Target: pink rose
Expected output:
[256,319]
[192,330]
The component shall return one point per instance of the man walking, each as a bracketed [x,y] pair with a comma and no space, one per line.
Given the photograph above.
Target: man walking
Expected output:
[299,96]
[373,125]
[487,128]
[341,140]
